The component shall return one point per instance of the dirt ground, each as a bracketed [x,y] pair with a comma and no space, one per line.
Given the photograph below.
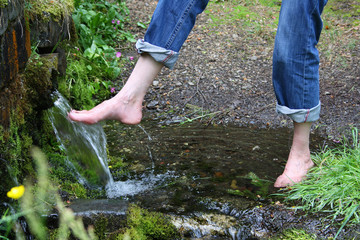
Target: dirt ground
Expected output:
[223,75]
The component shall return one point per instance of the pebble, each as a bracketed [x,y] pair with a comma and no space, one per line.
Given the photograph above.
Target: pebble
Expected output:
[178,83]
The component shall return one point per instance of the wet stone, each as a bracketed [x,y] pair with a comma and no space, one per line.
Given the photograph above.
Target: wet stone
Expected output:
[114,210]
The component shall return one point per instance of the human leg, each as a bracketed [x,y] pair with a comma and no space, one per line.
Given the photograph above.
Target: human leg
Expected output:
[126,106]
[171,24]
[296,79]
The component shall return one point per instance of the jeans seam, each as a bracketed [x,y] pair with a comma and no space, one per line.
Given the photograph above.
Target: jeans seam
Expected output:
[307,115]
[308,46]
[179,24]
[168,57]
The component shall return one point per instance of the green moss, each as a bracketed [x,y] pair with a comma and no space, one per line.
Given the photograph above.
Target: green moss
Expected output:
[23,103]
[144,224]
[61,172]
[38,79]
[75,190]
[54,234]
[132,233]
[118,167]
[3,3]
[15,139]
[56,9]
[100,227]
[16,149]
[292,234]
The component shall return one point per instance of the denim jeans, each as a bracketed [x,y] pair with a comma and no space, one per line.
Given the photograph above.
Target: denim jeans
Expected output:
[295,59]
[170,26]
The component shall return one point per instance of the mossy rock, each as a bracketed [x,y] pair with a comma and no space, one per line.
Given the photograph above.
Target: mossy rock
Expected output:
[3,3]
[22,104]
[45,10]
[144,224]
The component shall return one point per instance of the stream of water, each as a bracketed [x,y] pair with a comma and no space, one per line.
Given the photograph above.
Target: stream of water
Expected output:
[203,176]
[84,145]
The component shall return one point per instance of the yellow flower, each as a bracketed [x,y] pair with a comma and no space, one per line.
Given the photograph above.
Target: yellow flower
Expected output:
[16,192]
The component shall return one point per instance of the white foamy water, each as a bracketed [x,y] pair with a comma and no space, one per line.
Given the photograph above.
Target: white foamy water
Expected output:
[133,187]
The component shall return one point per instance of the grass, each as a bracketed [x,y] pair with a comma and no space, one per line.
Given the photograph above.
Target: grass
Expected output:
[340,34]
[333,186]
[258,18]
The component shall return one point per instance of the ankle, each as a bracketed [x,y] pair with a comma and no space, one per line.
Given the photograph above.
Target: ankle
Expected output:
[128,98]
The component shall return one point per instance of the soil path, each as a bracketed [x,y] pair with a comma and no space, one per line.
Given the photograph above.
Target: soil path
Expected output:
[225,70]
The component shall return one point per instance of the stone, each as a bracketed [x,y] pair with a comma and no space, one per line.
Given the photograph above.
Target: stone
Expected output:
[152,105]
[3,20]
[15,51]
[93,210]
[49,33]
[15,9]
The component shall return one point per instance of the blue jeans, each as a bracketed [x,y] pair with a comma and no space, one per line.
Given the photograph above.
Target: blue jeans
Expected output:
[170,26]
[295,59]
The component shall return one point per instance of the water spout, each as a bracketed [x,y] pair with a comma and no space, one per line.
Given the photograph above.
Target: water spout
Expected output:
[84,145]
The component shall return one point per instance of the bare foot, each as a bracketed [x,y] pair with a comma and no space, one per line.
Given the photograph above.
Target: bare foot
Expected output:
[126,106]
[116,108]
[299,161]
[296,169]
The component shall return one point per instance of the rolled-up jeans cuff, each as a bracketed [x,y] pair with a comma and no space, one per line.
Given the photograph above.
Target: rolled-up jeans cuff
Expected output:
[300,115]
[162,55]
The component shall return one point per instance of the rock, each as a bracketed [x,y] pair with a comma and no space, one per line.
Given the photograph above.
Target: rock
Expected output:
[114,210]
[178,83]
[152,104]
[233,185]
[256,148]
[138,168]
[210,226]
[49,33]
[14,42]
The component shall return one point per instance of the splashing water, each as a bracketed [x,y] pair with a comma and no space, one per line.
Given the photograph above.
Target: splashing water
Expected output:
[132,187]
[85,145]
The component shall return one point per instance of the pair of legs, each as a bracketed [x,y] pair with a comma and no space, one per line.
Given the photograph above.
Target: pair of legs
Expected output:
[126,107]
[295,71]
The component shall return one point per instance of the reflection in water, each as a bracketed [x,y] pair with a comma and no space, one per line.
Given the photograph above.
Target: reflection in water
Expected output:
[210,153]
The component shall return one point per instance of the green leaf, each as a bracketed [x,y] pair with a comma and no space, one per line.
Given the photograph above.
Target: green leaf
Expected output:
[140,24]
